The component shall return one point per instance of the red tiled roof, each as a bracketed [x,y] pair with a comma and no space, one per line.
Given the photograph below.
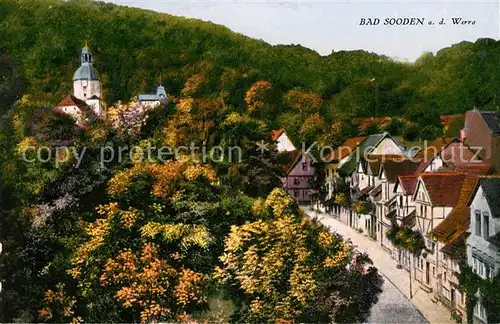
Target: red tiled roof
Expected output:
[430,151]
[408,183]
[458,154]
[347,147]
[473,168]
[443,188]
[457,222]
[275,134]
[71,100]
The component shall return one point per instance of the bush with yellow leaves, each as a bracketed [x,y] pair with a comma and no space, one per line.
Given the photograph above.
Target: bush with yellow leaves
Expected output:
[279,264]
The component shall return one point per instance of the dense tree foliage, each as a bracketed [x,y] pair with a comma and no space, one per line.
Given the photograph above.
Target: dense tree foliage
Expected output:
[110,238]
[134,48]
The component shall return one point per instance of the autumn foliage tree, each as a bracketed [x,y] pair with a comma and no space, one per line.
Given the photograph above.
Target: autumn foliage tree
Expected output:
[280,265]
[304,102]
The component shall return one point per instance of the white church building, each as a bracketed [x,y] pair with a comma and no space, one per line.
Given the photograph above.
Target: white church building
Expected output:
[86,102]
[86,98]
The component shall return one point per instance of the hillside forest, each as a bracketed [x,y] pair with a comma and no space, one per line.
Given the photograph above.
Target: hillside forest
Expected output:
[181,241]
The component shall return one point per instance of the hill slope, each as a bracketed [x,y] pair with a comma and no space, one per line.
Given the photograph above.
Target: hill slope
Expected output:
[133,47]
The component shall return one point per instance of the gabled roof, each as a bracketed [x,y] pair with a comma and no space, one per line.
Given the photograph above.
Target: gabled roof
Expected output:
[458,220]
[370,142]
[443,188]
[473,168]
[393,168]
[491,191]
[295,156]
[275,134]
[431,151]
[458,154]
[492,120]
[408,183]
[71,100]
[364,149]
[289,159]
[343,150]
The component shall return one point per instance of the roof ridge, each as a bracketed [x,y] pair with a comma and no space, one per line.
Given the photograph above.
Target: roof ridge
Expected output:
[430,174]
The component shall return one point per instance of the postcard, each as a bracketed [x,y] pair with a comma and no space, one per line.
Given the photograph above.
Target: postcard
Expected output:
[251,161]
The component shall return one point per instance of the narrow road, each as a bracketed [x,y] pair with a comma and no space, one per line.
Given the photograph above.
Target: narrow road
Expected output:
[397,280]
[394,307]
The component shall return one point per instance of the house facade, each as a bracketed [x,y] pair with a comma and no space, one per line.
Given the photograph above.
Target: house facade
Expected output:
[299,176]
[482,133]
[435,196]
[283,142]
[483,242]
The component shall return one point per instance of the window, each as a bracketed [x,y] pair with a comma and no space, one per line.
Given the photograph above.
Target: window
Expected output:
[480,269]
[445,276]
[478,223]
[479,310]
[296,193]
[400,200]
[486,225]
[474,265]
[296,181]
[304,166]
[433,271]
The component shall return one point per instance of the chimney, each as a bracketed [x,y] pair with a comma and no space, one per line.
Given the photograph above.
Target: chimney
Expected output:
[463,135]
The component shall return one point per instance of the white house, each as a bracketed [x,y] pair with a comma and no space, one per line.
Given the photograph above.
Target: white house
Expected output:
[405,215]
[150,101]
[483,243]
[283,142]
[435,195]
[387,206]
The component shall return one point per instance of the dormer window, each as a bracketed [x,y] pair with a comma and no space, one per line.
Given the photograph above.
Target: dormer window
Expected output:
[478,222]
[486,225]
[304,166]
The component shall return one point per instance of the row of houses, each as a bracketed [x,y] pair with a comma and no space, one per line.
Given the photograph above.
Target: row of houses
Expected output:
[447,190]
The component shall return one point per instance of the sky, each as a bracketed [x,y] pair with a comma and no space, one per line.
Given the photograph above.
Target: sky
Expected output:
[334,25]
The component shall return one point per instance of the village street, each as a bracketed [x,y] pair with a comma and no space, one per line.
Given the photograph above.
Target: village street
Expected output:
[392,306]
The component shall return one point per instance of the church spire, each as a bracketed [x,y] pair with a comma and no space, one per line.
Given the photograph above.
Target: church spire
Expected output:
[86,56]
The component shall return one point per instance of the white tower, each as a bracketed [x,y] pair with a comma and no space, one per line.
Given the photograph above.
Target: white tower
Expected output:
[86,83]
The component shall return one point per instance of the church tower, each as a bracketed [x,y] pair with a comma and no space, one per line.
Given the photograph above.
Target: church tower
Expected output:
[86,83]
